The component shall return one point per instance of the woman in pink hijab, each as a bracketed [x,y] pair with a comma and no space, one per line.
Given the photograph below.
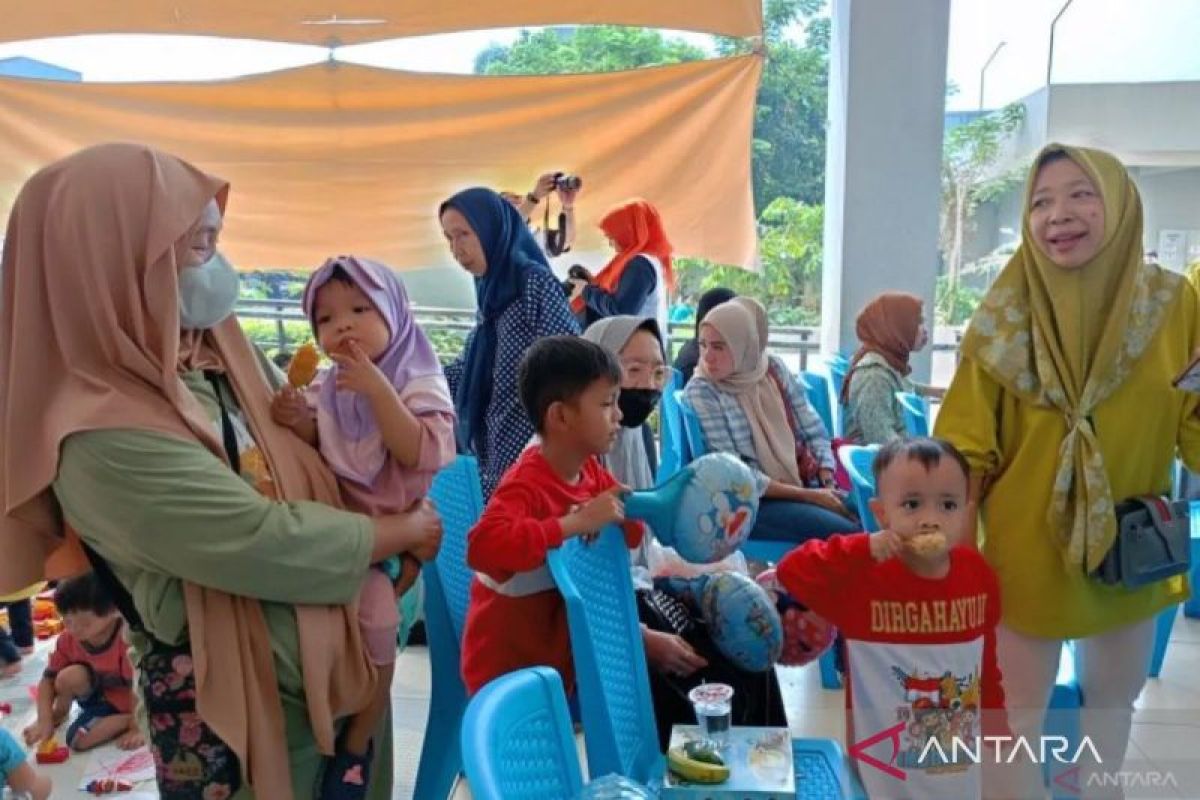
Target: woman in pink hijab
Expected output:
[137,432]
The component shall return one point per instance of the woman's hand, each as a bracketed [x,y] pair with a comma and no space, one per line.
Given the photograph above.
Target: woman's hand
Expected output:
[417,531]
[544,186]
[358,373]
[828,499]
[670,655]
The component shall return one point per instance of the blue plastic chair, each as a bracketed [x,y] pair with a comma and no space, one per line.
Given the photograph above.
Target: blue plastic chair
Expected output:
[614,687]
[695,445]
[517,739]
[858,461]
[610,663]
[916,417]
[817,393]
[1191,608]
[456,492]
[838,367]
[1062,717]
[671,435]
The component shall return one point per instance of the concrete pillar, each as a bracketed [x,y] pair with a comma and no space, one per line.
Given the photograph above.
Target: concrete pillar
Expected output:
[887,92]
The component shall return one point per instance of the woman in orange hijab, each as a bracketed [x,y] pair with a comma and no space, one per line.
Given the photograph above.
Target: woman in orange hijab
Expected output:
[638,280]
[890,329]
[136,415]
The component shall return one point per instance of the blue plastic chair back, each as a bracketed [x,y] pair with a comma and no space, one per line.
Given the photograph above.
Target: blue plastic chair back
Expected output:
[817,392]
[838,367]
[916,419]
[456,492]
[458,496]
[857,461]
[610,664]
[693,434]
[517,739]
[671,436]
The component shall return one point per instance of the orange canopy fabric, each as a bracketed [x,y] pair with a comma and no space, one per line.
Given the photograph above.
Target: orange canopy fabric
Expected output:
[341,158]
[351,21]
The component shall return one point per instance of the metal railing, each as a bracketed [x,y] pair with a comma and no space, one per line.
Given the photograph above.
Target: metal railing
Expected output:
[798,341]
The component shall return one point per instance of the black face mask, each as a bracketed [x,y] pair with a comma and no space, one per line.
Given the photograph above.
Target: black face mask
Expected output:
[636,405]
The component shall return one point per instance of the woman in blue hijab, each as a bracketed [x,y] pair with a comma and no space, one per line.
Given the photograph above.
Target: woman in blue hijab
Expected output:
[520,301]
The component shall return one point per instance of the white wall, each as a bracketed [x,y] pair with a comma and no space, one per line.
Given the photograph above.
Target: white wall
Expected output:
[887,85]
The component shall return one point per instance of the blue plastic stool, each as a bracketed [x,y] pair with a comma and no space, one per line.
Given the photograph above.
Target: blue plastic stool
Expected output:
[517,739]
[916,416]
[459,499]
[822,772]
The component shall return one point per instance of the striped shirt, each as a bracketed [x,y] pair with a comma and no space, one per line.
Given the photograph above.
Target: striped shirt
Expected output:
[727,428]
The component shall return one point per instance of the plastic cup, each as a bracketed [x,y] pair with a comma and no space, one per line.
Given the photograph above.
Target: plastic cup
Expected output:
[713,704]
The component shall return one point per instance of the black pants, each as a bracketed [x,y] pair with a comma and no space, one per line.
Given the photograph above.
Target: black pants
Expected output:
[20,622]
[756,695]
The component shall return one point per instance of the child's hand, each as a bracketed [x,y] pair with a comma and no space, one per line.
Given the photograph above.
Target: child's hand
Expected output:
[357,372]
[38,732]
[289,408]
[604,509]
[410,570]
[886,544]
[426,530]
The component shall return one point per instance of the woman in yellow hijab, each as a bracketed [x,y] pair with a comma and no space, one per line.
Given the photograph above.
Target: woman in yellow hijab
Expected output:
[1063,404]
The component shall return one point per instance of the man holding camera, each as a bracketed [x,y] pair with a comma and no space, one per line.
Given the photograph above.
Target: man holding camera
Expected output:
[558,241]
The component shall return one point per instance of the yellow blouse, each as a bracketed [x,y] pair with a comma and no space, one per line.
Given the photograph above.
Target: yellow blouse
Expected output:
[1140,428]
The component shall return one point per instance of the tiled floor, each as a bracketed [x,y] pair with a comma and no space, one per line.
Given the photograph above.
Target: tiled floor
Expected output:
[1166,730]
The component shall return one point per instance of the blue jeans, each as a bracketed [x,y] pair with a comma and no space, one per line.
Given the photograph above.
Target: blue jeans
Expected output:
[791,521]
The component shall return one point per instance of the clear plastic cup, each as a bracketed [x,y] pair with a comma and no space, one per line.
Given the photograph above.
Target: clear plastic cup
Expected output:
[713,704]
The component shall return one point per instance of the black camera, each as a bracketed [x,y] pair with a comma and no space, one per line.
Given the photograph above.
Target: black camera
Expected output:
[577,272]
[567,183]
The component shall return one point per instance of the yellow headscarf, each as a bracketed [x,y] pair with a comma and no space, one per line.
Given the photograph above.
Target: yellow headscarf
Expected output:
[1068,338]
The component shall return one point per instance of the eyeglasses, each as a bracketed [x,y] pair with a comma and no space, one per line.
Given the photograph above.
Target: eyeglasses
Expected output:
[644,372]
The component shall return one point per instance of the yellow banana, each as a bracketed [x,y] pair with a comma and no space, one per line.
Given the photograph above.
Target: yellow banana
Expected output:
[695,771]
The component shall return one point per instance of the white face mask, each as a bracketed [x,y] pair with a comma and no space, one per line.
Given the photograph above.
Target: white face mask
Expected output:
[207,293]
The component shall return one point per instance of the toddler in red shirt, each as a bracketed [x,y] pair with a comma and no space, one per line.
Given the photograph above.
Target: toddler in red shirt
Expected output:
[918,608]
[556,489]
[89,666]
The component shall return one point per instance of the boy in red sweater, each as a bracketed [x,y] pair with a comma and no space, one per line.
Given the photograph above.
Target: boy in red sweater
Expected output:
[89,666]
[918,608]
[555,490]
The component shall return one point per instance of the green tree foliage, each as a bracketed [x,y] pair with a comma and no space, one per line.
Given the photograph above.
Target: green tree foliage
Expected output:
[601,48]
[789,132]
[789,282]
[970,154]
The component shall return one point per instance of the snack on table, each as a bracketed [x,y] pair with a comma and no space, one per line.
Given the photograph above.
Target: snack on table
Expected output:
[929,542]
[303,368]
